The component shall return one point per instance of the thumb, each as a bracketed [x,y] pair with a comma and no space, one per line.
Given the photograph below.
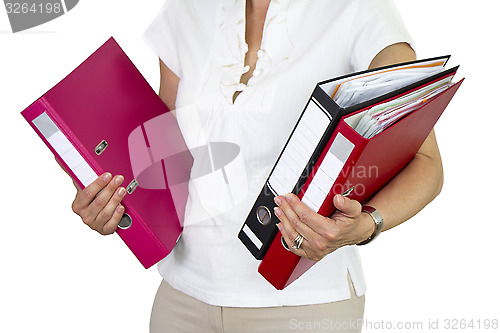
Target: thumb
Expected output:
[347,206]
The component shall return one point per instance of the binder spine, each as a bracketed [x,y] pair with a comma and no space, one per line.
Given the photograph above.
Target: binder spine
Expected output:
[326,180]
[49,128]
[346,147]
[278,263]
[290,172]
[260,228]
[140,239]
[328,172]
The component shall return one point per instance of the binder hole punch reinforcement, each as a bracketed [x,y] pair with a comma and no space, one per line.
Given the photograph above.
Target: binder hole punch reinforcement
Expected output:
[125,222]
[132,186]
[263,215]
[101,147]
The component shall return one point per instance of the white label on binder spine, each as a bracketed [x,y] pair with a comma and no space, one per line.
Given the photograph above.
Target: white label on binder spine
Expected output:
[63,147]
[256,241]
[301,145]
[328,172]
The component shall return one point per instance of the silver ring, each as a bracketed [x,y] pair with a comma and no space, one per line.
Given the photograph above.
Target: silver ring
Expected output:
[297,242]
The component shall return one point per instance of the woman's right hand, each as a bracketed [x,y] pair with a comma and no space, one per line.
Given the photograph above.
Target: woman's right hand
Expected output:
[101,211]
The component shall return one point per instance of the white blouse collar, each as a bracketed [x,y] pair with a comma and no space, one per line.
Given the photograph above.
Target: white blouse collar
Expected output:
[276,46]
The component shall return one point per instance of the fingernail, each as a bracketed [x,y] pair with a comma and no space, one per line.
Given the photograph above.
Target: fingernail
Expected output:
[119,180]
[277,211]
[340,199]
[121,192]
[288,197]
[120,209]
[106,177]
[280,226]
[277,200]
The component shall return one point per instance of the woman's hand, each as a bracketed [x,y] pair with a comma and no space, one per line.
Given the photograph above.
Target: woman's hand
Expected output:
[322,235]
[99,203]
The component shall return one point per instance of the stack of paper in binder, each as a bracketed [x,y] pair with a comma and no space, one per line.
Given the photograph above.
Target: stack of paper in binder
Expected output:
[375,120]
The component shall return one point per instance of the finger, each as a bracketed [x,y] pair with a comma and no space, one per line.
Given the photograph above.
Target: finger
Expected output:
[318,231]
[78,189]
[294,218]
[287,231]
[304,250]
[102,199]
[84,197]
[106,214]
[289,235]
[346,206]
[112,224]
[316,222]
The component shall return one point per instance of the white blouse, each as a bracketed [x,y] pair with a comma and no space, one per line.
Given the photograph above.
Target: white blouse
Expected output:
[304,42]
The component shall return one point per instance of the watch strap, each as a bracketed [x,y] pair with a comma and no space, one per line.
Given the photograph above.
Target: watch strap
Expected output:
[379,223]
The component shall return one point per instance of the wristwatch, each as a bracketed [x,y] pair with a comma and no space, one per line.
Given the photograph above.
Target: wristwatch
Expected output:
[379,223]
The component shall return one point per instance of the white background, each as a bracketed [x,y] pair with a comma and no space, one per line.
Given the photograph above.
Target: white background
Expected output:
[59,276]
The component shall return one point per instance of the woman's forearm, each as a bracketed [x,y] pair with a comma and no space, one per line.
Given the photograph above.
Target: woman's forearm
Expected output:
[421,180]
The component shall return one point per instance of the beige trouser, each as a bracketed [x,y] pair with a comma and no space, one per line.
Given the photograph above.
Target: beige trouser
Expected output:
[175,312]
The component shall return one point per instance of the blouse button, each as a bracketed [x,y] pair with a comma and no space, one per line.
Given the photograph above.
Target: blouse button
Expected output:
[241,87]
[245,69]
[260,53]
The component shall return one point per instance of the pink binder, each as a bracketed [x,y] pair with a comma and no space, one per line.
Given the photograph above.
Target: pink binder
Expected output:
[104,116]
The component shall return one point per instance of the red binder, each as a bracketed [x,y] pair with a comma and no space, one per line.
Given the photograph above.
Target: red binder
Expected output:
[104,116]
[363,166]
[315,127]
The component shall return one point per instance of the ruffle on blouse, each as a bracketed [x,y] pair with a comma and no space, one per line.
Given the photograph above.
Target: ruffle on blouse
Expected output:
[276,45]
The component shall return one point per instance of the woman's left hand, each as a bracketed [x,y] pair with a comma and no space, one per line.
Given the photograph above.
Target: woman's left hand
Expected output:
[322,235]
